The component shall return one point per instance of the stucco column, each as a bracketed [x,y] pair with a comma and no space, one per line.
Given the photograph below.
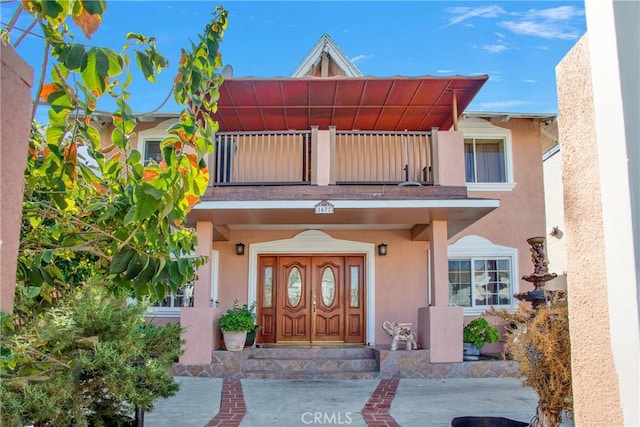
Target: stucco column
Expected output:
[448,157]
[440,326]
[322,158]
[15,125]
[200,335]
[439,263]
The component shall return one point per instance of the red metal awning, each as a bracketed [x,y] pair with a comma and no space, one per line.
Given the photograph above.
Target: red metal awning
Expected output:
[367,103]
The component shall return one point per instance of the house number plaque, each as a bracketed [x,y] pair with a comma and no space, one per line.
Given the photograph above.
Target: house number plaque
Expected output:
[324,207]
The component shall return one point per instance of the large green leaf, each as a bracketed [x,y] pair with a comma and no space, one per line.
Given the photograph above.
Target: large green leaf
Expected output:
[137,263]
[96,70]
[59,102]
[144,62]
[54,11]
[75,57]
[146,204]
[121,260]
[115,63]
[95,6]
[160,291]
[149,271]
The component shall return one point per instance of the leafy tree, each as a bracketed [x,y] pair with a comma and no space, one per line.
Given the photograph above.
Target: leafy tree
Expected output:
[95,219]
[104,360]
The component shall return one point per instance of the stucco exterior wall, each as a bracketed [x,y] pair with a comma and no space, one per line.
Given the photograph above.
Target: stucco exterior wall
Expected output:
[554,214]
[595,382]
[15,125]
[448,164]
[521,211]
[400,277]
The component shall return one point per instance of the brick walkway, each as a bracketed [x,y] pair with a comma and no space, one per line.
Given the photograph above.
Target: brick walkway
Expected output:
[232,406]
[376,410]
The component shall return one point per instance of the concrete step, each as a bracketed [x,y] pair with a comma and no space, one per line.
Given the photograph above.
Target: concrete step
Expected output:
[286,375]
[311,365]
[310,352]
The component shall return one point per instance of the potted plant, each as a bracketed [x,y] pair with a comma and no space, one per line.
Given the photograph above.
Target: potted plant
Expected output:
[252,336]
[475,335]
[235,324]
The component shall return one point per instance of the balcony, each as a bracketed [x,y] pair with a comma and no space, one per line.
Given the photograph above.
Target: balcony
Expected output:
[322,158]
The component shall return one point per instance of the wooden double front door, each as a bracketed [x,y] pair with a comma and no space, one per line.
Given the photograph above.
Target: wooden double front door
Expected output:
[311,299]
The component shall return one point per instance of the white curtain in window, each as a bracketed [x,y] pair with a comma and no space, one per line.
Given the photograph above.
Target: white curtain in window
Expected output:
[469,170]
[490,161]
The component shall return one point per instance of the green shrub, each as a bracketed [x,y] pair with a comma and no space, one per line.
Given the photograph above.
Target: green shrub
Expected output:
[89,361]
[480,332]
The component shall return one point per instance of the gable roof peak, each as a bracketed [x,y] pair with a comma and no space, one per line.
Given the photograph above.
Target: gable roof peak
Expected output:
[326,46]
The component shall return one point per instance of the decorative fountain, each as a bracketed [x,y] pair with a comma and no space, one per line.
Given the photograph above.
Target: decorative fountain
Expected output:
[539,276]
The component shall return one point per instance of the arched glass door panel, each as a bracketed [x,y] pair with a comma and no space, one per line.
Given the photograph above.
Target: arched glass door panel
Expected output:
[294,287]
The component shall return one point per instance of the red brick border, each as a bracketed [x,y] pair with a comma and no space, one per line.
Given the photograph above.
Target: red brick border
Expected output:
[376,410]
[232,405]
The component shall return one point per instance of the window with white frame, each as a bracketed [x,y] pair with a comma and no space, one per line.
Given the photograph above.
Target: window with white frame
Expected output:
[484,160]
[481,274]
[184,297]
[487,156]
[148,141]
[480,282]
[152,151]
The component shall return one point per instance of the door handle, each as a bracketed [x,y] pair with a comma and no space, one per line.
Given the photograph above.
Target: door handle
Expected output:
[313,304]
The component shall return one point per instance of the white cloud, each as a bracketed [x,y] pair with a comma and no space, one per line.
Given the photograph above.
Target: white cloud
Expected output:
[545,30]
[444,71]
[500,35]
[495,48]
[551,23]
[360,58]
[502,104]
[461,14]
[529,81]
[561,13]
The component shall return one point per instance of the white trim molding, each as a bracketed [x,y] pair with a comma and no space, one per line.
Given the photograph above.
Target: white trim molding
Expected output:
[215,262]
[326,44]
[347,204]
[315,241]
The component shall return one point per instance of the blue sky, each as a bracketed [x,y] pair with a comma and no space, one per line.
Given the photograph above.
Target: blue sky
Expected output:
[517,43]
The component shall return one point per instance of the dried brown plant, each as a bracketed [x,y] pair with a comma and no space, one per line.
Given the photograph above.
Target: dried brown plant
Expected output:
[539,341]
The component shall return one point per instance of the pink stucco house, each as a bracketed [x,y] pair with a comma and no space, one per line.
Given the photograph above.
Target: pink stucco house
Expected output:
[339,201]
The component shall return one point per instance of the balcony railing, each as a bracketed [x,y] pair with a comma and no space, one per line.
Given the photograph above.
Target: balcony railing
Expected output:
[285,158]
[383,157]
[251,158]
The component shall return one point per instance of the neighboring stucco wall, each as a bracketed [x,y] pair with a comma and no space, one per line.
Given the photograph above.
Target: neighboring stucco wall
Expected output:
[601,278]
[15,125]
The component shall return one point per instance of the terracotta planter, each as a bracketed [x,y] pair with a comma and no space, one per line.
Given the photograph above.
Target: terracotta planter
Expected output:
[234,341]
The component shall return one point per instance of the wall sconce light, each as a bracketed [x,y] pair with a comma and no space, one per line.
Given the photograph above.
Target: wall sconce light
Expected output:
[382,249]
[239,248]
